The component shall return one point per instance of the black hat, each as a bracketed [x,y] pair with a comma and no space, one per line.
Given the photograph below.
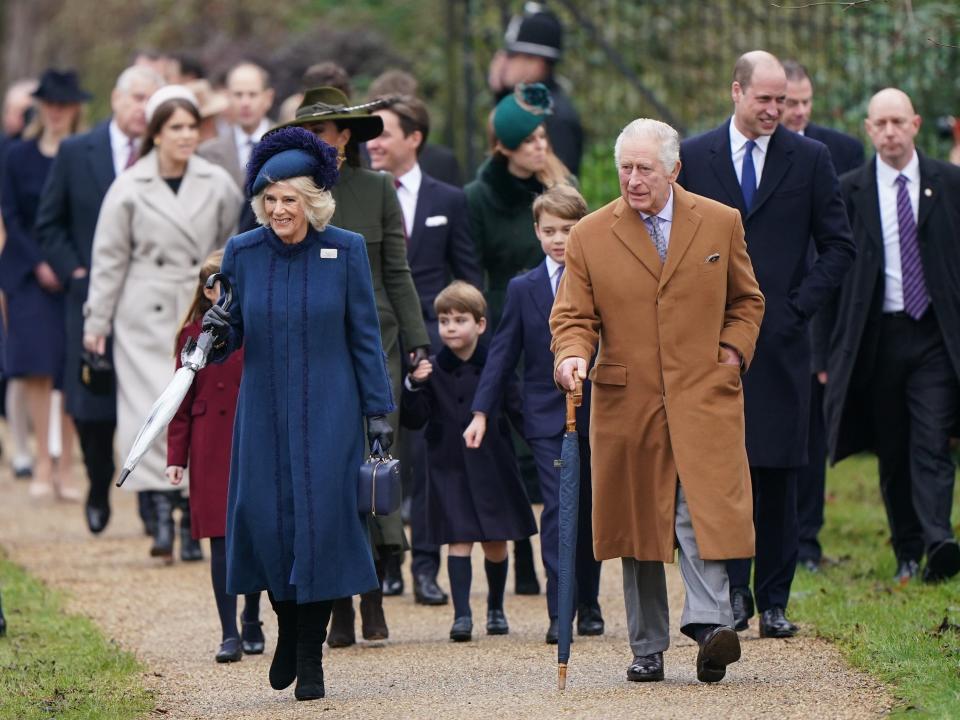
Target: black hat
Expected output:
[537,32]
[58,86]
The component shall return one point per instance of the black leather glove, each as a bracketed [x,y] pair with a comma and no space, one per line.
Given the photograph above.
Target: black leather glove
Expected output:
[217,321]
[418,354]
[379,429]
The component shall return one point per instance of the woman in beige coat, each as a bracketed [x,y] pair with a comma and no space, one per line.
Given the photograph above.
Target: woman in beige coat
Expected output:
[158,222]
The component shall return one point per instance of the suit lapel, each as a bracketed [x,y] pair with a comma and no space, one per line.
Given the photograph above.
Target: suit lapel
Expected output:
[866,199]
[541,290]
[419,217]
[158,195]
[722,164]
[630,230]
[100,155]
[684,227]
[929,190]
[775,166]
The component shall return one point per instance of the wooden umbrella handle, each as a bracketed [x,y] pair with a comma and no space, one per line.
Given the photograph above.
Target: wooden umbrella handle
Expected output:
[574,400]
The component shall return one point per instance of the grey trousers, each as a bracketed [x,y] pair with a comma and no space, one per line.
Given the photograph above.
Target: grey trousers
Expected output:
[645,590]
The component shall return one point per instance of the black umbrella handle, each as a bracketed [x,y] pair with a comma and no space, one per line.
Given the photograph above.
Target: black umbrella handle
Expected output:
[225,286]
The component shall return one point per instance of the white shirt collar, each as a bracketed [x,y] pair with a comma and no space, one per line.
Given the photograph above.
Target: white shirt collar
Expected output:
[738,139]
[665,214]
[552,267]
[411,179]
[240,137]
[887,174]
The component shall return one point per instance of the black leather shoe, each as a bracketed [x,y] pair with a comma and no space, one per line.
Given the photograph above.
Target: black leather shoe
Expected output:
[589,620]
[553,636]
[373,623]
[230,651]
[646,668]
[392,577]
[719,647]
[163,539]
[497,623]
[774,624]
[907,570]
[741,600]
[23,473]
[3,622]
[251,637]
[97,517]
[462,629]
[427,592]
[943,562]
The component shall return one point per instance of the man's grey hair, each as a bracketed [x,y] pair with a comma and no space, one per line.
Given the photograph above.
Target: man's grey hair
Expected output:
[668,138]
[139,72]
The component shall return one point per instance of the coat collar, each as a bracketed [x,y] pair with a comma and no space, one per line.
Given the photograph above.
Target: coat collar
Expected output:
[180,208]
[509,190]
[100,154]
[449,362]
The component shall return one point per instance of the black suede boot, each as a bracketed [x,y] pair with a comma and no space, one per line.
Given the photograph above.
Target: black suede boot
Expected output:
[3,621]
[341,627]
[190,550]
[311,632]
[283,669]
[163,538]
[372,621]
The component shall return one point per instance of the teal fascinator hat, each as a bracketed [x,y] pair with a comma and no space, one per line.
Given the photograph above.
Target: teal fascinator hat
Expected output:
[519,113]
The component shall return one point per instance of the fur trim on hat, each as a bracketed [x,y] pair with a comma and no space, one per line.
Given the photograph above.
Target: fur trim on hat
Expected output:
[294,138]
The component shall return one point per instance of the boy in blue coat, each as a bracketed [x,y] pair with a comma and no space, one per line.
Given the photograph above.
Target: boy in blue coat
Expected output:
[473,491]
[524,330]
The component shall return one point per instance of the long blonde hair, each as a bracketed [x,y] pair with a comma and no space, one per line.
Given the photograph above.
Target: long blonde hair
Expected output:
[199,305]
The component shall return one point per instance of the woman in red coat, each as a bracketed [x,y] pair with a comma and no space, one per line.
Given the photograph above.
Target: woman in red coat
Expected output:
[201,434]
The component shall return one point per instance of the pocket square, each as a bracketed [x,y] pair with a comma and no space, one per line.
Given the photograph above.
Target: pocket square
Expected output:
[436,220]
[712,258]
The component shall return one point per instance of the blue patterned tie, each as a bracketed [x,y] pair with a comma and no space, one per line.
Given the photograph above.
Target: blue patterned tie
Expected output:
[748,175]
[656,234]
[916,299]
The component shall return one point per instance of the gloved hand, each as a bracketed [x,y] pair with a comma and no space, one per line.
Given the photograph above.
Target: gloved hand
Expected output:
[418,354]
[379,429]
[217,321]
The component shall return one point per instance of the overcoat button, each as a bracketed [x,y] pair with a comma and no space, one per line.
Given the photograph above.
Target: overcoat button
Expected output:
[160,262]
[220,386]
[158,308]
[223,412]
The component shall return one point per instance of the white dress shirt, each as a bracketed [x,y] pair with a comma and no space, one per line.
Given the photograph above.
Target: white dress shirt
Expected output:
[738,142]
[120,147]
[245,142]
[666,217]
[887,194]
[554,270]
[407,194]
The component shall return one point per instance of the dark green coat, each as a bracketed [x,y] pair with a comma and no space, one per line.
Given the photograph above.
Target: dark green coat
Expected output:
[501,222]
[367,204]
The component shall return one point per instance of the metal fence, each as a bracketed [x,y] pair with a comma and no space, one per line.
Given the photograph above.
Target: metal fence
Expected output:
[672,59]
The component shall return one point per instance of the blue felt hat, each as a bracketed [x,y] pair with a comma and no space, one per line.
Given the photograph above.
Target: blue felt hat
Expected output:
[291,152]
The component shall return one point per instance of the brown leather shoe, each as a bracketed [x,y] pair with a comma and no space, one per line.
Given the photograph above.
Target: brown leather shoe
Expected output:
[372,622]
[341,624]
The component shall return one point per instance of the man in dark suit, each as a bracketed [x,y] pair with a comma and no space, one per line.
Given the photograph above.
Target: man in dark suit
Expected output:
[894,364]
[438,247]
[847,154]
[248,87]
[84,168]
[787,192]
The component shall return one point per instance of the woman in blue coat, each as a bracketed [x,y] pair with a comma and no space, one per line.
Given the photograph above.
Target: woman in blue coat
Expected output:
[314,367]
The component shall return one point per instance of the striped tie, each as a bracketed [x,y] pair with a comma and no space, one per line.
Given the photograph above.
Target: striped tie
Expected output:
[916,300]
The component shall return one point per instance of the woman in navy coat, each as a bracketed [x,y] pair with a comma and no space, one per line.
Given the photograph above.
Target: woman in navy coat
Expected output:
[314,366]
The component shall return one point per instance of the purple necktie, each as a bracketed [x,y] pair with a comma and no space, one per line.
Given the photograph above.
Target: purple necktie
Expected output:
[916,300]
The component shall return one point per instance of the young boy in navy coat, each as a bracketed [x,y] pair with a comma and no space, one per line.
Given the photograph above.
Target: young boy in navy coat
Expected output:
[474,492]
[524,330]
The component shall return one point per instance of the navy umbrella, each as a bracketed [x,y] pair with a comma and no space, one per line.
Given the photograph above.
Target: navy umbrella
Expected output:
[193,358]
[569,512]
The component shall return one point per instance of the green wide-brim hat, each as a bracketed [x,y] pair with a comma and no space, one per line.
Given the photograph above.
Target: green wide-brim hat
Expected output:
[328,103]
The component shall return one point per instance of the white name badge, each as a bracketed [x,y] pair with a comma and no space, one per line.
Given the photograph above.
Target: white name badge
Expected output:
[330,253]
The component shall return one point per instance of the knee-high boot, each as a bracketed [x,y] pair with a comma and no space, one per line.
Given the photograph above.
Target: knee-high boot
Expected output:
[190,550]
[372,621]
[311,632]
[341,627]
[283,669]
[163,538]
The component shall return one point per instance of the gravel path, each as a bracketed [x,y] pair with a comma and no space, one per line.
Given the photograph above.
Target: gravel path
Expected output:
[167,617]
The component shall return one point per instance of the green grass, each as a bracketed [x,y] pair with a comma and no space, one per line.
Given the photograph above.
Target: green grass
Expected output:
[907,637]
[55,665]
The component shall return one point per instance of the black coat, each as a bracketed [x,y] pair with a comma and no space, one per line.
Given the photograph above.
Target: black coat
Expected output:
[440,246]
[66,220]
[472,495]
[856,314]
[798,199]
